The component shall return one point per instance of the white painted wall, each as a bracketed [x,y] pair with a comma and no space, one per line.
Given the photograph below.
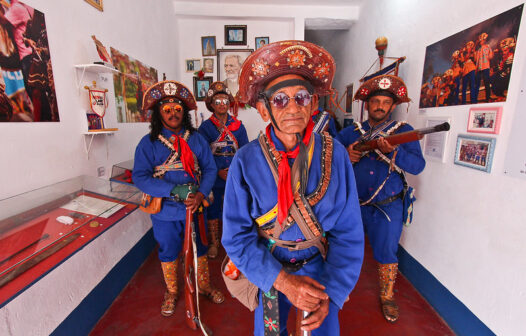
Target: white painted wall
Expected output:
[38,154]
[468,229]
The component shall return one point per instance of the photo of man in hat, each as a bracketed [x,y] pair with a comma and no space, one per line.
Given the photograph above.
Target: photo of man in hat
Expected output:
[291,219]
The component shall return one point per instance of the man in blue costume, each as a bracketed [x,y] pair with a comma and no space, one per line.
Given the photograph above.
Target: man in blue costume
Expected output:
[380,177]
[226,135]
[291,219]
[174,154]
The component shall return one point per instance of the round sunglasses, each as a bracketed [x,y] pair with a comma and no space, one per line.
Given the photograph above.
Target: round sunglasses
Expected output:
[168,109]
[302,98]
[221,101]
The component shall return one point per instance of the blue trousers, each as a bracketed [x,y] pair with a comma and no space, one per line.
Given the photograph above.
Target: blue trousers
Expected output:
[383,234]
[170,236]
[469,78]
[215,210]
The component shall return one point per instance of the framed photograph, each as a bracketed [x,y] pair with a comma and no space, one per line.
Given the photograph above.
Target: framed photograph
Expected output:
[95,3]
[193,65]
[229,63]
[475,152]
[435,143]
[201,87]
[236,35]
[208,65]
[261,41]
[348,97]
[484,119]
[208,45]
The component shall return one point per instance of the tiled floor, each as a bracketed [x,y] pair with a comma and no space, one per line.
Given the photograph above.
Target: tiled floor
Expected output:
[137,309]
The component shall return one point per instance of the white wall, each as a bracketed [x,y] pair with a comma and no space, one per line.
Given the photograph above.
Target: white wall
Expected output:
[38,154]
[468,229]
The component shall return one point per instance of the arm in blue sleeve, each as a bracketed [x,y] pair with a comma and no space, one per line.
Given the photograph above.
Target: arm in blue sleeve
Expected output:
[207,165]
[143,169]
[240,238]
[332,127]
[346,240]
[409,157]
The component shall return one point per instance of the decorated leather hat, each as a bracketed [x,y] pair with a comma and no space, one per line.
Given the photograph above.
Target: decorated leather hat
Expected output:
[217,88]
[165,89]
[392,84]
[306,59]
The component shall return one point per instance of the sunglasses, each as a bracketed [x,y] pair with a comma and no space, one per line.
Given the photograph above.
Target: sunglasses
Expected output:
[221,101]
[302,98]
[168,109]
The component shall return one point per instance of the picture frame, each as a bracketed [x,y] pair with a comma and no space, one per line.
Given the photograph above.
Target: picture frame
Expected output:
[261,41]
[435,144]
[208,45]
[235,34]
[201,86]
[208,65]
[96,3]
[484,119]
[193,65]
[475,152]
[229,62]
[349,91]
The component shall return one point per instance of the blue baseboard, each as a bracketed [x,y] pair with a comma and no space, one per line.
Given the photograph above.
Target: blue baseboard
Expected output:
[82,320]
[455,313]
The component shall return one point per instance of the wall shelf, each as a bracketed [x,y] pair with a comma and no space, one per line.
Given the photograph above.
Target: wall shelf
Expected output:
[93,68]
[91,135]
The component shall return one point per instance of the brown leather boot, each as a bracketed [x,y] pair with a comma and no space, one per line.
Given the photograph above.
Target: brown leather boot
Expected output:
[171,294]
[387,279]
[203,282]
[213,230]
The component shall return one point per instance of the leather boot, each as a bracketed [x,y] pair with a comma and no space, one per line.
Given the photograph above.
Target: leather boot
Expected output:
[170,296]
[387,273]
[213,230]
[203,282]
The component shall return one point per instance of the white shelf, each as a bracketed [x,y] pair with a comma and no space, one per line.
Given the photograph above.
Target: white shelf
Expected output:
[93,68]
[91,136]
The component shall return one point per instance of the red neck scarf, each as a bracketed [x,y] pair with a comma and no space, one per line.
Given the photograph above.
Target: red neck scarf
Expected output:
[185,154]
[285,196]
[226,130]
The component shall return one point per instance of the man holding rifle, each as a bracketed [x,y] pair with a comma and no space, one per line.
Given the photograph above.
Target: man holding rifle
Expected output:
[291,220]
[382,188]
[174,164]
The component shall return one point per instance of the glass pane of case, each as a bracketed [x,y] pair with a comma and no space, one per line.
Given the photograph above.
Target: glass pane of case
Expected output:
[42,227]
[122,172]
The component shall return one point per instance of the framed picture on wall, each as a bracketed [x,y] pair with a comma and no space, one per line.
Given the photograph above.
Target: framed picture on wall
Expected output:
[348,97]
[208,45]
[261,41]
[208,65]
[201,86]
[95,3]
[435,143]
[229,63]
[193,65]
[475,152]
[236,35]
[484,119]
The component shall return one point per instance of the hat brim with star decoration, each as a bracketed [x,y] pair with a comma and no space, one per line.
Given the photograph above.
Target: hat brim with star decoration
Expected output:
[217,88]
[305,59]
[392,84]
[165,89]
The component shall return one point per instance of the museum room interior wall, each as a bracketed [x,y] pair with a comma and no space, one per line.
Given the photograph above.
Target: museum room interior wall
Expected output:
[468,229]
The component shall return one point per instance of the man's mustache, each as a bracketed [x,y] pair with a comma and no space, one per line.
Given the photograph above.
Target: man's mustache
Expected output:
[378,110]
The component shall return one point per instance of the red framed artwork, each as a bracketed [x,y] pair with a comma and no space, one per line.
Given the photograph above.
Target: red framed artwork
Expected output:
[484,119]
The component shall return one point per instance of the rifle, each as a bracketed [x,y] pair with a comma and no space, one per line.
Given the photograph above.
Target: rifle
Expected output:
[300,316]
[400,138]
[191,296]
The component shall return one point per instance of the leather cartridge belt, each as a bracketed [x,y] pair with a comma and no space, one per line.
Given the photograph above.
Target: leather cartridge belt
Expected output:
[387,200]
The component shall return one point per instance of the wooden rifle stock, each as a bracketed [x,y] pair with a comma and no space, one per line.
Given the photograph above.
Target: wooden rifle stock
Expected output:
[401,138]
[189,285]
[300,316]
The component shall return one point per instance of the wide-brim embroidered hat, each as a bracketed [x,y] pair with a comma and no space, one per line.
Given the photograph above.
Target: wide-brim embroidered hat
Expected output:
[305,59]
[216,88]
[162,90]
[392,84]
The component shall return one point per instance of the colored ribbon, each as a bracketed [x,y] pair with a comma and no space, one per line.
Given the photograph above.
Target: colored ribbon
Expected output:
[185,153]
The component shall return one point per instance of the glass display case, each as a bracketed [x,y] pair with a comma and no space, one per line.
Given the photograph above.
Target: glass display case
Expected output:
[122,172]
[41,228]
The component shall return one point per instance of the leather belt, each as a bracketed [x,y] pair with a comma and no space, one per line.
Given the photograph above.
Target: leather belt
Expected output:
[291,267]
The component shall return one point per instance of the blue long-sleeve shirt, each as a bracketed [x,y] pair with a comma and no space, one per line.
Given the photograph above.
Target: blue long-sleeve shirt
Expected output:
[251,192]
[150,154]
[371,172]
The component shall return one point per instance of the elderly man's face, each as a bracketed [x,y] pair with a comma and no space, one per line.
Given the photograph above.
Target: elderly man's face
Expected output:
[232,67]
[293,117]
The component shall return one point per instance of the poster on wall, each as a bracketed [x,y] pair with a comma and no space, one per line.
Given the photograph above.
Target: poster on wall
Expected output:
[134,78]
[229,63]
[472,66]
[27,88]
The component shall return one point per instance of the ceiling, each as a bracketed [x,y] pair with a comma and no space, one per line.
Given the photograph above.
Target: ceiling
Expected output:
[284,2]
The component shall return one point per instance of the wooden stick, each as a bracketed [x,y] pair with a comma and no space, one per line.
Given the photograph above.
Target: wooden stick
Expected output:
[44,237]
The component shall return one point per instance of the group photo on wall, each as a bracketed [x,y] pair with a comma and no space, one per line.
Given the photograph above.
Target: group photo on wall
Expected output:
[472,66]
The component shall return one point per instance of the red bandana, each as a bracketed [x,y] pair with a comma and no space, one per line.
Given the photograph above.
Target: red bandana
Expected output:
[186,155]
[226,130]
[285,197]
